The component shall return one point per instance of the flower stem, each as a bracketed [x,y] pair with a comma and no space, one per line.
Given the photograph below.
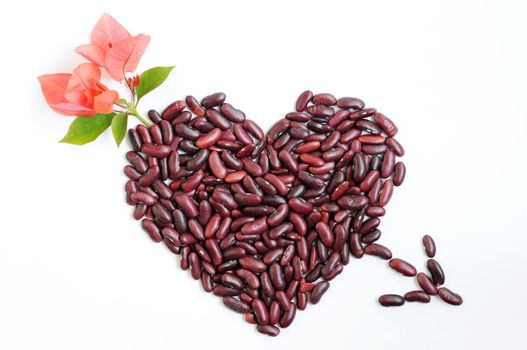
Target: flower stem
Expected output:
[134,112]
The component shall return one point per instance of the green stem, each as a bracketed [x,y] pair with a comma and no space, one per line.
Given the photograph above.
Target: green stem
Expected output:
[134,112]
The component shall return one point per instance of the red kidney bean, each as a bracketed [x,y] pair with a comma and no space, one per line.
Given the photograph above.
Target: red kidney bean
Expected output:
[325,234]
[231,113]
[403,267]
[386,193]
[153,231]
[260,310]
[388,164]
[371,237]
[252,264]
[369,225]
[450,297]
[417,296]
[171,110]
[194,106]
[143,198]
[430,246]
[236,305]
[135,140]
[303,100]
[350,102]
[268,329]
[213,100]
[391,300]
[317,292]
[149,176]
[399,174]
[426,284]
[352,202]
[321,111]
[436,271]
[324,99]
[378,250]
[209,139]
[277,276]
[386,124]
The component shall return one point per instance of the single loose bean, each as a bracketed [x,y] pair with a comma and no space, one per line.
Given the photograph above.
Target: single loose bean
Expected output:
[378,250]
[403,267]
[436,271]
[450,297]
[426,284]
[429,245]
[391,300]
[318,291]
[417,296]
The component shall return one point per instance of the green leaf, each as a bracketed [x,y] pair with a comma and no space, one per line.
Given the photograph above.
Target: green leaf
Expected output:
[86,129]
[119,127]
[151,79]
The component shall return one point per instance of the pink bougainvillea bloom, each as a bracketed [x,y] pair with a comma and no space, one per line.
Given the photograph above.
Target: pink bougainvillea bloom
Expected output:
[113,48]
[79,93]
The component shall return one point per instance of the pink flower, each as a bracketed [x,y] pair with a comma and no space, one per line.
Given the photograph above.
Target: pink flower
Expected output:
[78,94]
[113,48]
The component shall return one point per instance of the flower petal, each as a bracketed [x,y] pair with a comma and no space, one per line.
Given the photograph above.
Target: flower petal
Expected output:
[84,77]
[92,53]
[108,32]
[125,56]
[103,103]
[71,109]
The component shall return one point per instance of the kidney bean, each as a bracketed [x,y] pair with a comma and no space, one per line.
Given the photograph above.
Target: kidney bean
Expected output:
[436,271]
[303,100]
[268,329]
[318,291]
[371,237]
[430,246]
[236,305]
[386,193]
[135,140]
[426,284]
[378,250]
[450,297]
[171,110]
[386,124]
[391,300]
[417,296]
[231,113]
[403,267]
[213,100]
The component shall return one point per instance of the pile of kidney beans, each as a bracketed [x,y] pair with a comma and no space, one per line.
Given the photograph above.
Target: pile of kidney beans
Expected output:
[265,221]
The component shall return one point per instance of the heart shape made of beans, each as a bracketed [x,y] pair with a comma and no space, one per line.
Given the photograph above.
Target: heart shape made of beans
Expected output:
[265,221]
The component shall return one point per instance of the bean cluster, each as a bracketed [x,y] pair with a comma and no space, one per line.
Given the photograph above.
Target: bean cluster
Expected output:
[265,221]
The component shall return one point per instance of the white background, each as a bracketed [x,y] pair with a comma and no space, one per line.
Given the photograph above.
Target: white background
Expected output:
[76,272]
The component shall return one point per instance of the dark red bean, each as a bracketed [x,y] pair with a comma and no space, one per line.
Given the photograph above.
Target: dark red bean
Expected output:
[350,102]
[252,264]
[236,305]
[430,246]
[324,99]
[450,297]
[378,250]
[260,311]
[399,174]
[153,231]
[194,106]
[391,300]
[321,111]
[268,329]
[417,296]
[403,267]
[436,271]
[213,100]
[303,100]
[386,193]
[231,113]
[135,140]
[353,202]
[386,124]
[317,292]
[426,284]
